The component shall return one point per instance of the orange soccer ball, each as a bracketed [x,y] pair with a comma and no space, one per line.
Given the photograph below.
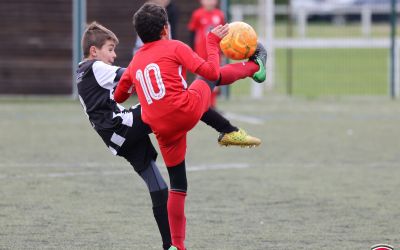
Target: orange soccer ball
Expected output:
[241,41]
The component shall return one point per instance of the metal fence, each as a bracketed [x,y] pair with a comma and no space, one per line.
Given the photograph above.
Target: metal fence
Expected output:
[312,54]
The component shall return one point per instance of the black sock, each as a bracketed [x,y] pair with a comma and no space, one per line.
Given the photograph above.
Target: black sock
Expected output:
[159,200]
[211,84]
[215,120]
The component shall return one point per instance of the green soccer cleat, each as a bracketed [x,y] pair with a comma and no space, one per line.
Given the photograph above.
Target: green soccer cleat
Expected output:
[173,248]
[238,138]
[260,57]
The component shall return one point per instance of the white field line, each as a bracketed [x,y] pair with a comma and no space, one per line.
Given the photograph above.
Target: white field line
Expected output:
[122,172]
[244,118]
[194,168]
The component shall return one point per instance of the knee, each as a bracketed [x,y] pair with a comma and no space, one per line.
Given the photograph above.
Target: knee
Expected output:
[211,83]
[159,198]
[153,178]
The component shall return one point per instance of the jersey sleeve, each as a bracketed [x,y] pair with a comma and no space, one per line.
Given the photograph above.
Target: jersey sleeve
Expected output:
[125,87]
[105,74]
[187,57]
[208,69]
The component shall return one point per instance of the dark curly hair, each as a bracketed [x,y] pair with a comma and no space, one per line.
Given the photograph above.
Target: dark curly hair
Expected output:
[149,21]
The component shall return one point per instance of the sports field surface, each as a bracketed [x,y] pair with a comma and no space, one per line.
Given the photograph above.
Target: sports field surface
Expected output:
[329,72]
[327,176]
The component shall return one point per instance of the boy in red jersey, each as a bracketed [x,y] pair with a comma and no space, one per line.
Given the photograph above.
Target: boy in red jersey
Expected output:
[157,74]
[123,130]
[202,21]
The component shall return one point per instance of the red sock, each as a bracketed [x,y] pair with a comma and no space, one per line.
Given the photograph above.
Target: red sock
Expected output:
[177,219]
[214,95]
[235,71]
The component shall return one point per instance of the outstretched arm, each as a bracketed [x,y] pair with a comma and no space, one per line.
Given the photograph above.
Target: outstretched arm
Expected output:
[210,68]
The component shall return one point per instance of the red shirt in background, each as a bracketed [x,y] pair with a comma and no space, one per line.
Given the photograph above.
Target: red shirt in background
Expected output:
[202,22]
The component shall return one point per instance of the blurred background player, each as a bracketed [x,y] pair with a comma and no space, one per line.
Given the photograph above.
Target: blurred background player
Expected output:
[202,21]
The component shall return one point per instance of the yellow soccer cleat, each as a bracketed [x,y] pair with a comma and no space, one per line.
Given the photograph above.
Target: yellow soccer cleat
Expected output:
[238,138]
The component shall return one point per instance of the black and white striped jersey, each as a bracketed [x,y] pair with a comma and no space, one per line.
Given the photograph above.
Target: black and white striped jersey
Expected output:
[96,82]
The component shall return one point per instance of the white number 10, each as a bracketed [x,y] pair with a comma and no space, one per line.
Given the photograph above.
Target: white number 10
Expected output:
[145,82]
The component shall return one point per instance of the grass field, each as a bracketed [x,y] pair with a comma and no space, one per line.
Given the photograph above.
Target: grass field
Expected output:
[330,72]
[335,71]
[326,177]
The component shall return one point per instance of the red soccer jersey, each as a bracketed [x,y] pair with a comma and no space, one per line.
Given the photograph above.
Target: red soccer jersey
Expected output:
[157,73]
[202,22]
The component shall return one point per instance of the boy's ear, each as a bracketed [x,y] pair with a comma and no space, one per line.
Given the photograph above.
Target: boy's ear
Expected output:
[165,30]
[93,51]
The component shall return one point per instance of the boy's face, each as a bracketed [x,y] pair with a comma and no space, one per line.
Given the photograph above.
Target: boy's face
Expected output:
[163,3]
[106,53]
[209,4]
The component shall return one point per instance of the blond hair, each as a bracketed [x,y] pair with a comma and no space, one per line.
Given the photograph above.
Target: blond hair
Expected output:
[96,35]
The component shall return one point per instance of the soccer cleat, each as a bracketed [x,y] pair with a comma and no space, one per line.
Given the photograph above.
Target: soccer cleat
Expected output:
[238,138]
[260,57]
[173,248]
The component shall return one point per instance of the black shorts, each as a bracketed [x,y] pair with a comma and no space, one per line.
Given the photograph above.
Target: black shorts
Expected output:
[137,148]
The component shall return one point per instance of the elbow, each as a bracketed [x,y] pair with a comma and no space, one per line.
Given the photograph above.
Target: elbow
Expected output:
[214,76]
[117,99]
[120,96]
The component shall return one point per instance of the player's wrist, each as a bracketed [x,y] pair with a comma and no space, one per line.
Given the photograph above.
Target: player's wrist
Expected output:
[213,37]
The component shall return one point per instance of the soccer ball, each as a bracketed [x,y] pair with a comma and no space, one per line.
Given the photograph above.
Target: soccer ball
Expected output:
[241,41]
